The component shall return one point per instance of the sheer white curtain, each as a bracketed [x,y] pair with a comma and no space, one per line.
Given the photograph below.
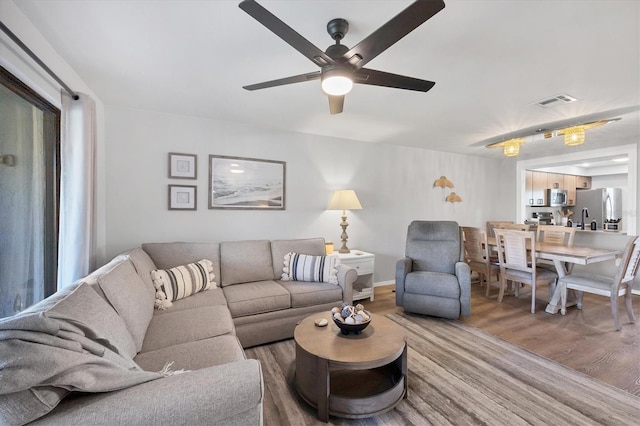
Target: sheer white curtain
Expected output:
[76,253]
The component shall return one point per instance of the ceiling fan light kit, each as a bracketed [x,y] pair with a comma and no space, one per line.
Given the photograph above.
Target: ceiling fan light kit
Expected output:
[336,82]
[340,66]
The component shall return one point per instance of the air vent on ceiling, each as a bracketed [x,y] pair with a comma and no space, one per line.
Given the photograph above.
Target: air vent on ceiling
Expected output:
[556,100]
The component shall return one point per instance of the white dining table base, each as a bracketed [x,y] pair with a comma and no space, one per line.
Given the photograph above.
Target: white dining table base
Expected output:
[555,304]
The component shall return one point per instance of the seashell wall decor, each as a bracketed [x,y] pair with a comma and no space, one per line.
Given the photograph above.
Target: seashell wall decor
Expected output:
[443,182]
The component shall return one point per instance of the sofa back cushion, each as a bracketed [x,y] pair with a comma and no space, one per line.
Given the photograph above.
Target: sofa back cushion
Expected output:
[128,294]
[170,255]
[143,265]
[279,248]
[245,261]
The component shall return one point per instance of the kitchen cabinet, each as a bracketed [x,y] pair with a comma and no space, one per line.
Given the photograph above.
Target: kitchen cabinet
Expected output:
[536,188]
[583,182]
[570,186]
[555,181]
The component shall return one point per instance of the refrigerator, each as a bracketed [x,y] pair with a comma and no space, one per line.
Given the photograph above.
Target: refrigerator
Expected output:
[602,204]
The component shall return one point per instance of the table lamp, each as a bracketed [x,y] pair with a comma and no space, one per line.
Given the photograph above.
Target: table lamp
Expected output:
[344,199]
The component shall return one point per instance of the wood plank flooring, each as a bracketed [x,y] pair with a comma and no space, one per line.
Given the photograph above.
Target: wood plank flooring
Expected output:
[584,340]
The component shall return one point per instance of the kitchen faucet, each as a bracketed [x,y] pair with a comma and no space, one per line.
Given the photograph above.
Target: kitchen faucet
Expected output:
[585,212]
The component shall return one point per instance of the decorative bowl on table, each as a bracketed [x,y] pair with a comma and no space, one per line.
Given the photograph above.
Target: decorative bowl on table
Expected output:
[351,319]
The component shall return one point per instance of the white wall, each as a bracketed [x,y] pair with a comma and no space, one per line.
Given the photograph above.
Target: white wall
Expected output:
[394,184]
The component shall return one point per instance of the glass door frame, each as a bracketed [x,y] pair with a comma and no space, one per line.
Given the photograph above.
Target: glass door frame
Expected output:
[51,135]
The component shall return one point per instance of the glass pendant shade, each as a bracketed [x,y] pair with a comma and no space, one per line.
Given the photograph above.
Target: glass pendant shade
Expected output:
[574,136]
[511,147]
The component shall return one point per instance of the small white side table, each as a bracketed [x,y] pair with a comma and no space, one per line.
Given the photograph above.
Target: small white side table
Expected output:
[364,263]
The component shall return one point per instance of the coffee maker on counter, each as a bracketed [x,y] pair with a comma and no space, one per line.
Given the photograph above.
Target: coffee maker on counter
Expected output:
[544,218]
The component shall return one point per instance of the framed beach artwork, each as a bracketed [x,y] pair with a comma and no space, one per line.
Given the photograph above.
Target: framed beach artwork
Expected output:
[183,197]
[246,183]
[182,166]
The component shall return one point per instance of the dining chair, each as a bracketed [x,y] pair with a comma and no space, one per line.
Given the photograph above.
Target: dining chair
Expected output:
[553,234]
[619,285]
[492,224]
[515,226]
[516,255]
[477,255]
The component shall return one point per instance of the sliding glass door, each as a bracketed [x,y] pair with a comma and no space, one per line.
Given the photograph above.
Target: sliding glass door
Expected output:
[29,188]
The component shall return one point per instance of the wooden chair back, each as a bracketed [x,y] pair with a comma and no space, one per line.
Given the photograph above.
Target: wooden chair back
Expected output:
[630,261]
[552,234]
[492,224]
[516,249]
[476,248]
[514,226]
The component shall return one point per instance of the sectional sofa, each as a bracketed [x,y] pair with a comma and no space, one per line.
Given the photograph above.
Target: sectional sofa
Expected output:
[98,352]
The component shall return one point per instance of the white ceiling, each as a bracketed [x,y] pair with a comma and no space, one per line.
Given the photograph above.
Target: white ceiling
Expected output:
[490,59]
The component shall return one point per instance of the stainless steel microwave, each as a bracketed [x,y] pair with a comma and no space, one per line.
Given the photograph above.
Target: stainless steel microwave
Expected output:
[557,197]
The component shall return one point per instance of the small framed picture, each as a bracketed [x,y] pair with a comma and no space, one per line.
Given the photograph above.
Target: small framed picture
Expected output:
[182,166]
[183,197]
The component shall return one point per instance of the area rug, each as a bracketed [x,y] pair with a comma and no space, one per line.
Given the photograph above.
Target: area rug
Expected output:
[460,375]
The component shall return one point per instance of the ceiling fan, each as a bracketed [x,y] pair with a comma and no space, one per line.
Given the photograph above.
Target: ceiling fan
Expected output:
[340,66]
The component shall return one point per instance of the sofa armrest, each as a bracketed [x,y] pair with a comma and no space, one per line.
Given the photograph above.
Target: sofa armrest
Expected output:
[403,267]
[346,277]
[230,394]
[464,279]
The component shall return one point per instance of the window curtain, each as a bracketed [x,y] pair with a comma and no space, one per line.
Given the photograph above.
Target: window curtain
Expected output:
[77,233]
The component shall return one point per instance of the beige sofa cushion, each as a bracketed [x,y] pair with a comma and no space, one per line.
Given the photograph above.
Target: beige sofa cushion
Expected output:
[143,265]
[211,297]
[130,297]
[193,355]
[170,255]
[256,298]
[179,327]
[245,261]
[311,294]
[279,248]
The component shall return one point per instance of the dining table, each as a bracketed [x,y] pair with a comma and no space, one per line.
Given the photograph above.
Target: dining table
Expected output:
[563,258]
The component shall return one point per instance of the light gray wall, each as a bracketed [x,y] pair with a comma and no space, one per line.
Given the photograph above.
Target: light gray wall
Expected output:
[394,184]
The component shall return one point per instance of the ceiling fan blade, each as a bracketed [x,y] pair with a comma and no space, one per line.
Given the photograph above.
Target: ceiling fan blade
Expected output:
[336,103]
[381,78]
[282,81]
[286,33]
[388,34]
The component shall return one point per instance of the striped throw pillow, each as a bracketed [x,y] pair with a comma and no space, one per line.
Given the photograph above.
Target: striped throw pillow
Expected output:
[304,267]
[182,281]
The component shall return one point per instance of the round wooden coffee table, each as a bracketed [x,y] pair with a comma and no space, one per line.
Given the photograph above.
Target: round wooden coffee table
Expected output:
[350,376]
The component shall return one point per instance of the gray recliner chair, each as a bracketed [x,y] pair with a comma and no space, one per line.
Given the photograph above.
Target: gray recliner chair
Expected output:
[433,278]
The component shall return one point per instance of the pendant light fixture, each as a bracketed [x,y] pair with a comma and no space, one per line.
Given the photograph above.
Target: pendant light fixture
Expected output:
[574,136]
[512,147]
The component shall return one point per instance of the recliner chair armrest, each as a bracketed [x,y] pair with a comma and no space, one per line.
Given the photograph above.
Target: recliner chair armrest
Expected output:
[346,277]
[463,273]
[403,267]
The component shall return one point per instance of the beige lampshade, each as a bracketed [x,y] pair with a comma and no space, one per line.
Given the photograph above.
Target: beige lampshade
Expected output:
[344,199]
